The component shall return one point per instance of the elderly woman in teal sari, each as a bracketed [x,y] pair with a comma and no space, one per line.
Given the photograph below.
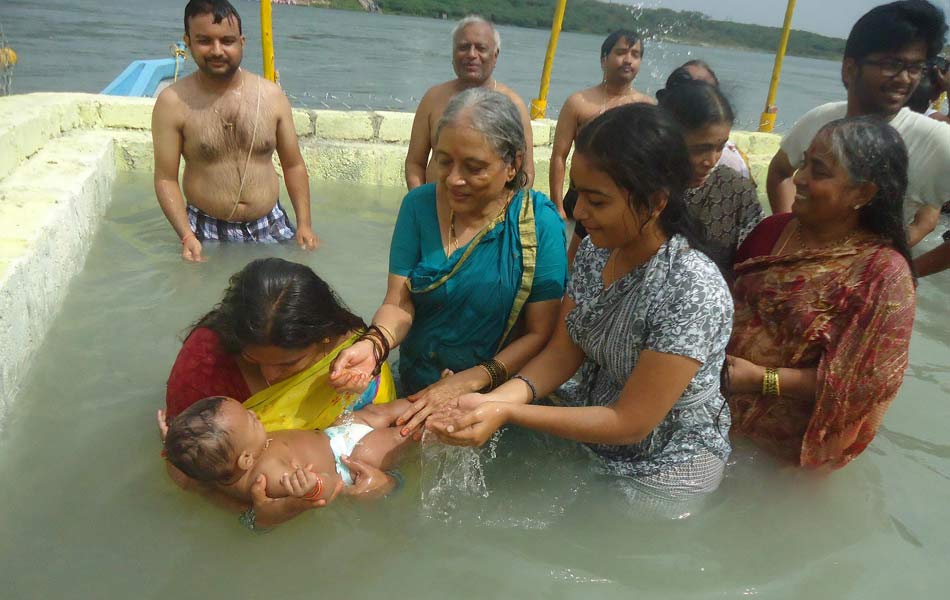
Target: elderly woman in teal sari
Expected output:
[477,267]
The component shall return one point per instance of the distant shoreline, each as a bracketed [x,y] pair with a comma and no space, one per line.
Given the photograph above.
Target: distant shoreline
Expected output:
[588,16]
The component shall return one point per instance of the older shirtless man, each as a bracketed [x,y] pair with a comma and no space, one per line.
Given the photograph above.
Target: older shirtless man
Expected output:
[475,48]
[226,123]
[620,57]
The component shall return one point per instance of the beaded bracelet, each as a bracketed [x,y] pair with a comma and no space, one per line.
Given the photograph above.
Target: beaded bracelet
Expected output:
[534,390]
[770,383]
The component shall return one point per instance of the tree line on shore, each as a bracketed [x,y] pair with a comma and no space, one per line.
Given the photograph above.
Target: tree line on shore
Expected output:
[592,16]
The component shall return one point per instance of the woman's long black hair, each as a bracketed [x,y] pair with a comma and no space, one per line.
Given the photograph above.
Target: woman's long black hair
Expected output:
[696,104]
[274,302]
[641,148]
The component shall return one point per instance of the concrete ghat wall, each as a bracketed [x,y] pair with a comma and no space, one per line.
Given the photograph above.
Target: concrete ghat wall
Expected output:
[58,157]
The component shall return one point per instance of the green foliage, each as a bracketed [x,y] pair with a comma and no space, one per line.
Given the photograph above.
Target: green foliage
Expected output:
[592,16]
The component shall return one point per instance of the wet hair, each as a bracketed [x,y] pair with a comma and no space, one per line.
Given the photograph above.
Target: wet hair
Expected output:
[871,151]
[497,118]
[681,75]
[220,9]
[476,20]
[274,302]
[198,445]
[925,93]
[891,27]
[630,35]
[696,104]
[641,148]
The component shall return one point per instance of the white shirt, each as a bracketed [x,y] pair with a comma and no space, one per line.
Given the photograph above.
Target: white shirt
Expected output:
[928,148]
[732,158]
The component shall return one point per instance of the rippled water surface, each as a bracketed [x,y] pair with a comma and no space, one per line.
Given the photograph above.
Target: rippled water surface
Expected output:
[341,59]
[89,513]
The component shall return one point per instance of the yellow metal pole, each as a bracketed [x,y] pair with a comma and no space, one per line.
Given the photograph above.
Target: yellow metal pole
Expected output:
[540,104]
[267,41]
[767,122]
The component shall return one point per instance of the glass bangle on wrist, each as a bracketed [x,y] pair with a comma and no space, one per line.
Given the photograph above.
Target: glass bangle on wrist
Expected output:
[534,390]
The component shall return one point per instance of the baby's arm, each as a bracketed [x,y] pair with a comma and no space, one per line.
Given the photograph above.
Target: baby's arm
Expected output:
[299,482]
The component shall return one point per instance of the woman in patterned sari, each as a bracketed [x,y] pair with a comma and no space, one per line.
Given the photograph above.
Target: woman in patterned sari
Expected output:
[646,319]
[477,266]
[825,302]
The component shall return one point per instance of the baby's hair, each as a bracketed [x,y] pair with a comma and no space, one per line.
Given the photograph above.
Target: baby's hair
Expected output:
[198,445]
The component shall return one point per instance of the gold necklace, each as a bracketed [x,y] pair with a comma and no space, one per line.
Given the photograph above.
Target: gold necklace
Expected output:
[613,271]
[453,238]
[841,241]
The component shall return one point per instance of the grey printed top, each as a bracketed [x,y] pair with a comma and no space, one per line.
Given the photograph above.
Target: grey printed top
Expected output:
[728,208]
[675,303]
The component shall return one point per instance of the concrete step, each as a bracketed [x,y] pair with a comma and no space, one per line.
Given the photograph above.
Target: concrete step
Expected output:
[50,207]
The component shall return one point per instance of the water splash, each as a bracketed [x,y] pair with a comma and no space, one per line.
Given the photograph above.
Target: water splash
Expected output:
[452,476]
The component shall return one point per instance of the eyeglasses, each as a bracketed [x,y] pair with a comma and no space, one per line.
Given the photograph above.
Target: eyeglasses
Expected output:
[891,67]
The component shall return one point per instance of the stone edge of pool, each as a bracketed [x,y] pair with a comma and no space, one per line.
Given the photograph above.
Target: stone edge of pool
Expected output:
[59,159]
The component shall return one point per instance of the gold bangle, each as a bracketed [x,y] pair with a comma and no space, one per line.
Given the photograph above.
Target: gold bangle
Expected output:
[504,371]
[770,383]
[488,387]
[497,372]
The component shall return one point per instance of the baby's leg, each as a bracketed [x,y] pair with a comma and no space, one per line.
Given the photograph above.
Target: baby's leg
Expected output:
[379,416]
[381,448]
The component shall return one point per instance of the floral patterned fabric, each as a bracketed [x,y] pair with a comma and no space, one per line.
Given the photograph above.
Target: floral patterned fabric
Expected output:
[728,208]
[675,303]
[847,311]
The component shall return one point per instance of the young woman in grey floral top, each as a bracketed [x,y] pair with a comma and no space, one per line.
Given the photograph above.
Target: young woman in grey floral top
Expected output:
[646,320]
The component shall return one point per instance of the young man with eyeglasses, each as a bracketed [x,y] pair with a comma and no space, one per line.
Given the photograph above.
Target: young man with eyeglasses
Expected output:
[888,51]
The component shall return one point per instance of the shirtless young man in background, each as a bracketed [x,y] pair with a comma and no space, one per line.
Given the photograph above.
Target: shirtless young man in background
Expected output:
[620,57]
[226,123]
[475,48]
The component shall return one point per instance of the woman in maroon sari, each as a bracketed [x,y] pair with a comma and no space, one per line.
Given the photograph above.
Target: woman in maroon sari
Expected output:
[825,302]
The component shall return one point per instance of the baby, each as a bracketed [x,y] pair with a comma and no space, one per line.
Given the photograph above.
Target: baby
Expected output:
[217,440]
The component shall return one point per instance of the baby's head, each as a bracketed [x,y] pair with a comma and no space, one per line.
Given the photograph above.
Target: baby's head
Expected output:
[215,439]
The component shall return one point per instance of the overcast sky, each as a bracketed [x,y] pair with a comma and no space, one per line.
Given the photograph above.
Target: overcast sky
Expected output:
[828,17]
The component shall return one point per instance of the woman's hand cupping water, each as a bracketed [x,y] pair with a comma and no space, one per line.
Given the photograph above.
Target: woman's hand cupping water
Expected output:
[443,394]
[353,368]
[471,422]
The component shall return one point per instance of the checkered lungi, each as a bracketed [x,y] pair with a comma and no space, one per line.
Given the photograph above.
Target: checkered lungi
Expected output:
[271,228]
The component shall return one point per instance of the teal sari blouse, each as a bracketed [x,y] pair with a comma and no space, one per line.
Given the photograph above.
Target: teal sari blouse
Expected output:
[460,323]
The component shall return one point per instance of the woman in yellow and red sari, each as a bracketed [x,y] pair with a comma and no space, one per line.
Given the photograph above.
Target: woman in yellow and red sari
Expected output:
[825,302]
[269,344]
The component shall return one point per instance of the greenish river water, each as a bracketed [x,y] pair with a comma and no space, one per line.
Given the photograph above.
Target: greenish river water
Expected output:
[89,513]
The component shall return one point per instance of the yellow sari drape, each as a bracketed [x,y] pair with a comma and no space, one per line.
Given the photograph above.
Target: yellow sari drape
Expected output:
[308,401]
